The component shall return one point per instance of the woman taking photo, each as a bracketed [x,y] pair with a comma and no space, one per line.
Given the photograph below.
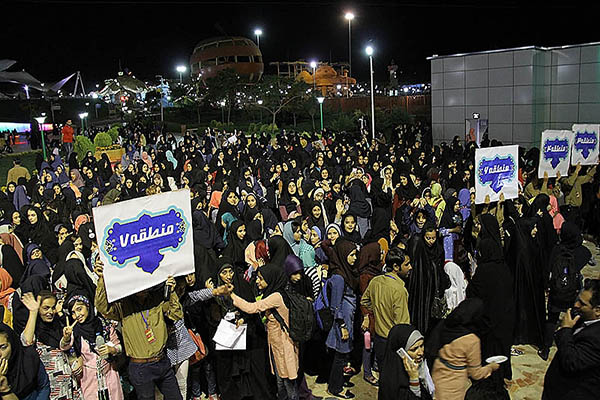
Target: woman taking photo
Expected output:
[271,280]
[404,378]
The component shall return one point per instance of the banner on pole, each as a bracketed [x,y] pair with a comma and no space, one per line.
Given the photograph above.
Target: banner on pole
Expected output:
[143,241]
[496,171]
[555,153]
[585,144]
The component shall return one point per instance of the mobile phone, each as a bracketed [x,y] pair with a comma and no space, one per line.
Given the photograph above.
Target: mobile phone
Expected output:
[403,354]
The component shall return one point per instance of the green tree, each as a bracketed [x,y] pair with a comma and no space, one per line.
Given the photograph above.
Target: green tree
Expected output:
[222,90]
[275,94]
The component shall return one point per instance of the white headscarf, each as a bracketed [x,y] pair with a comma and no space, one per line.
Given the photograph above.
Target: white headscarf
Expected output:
[456,293]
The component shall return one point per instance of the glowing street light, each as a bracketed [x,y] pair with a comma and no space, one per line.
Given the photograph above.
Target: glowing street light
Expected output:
[349,16]
[313,65]
[83,116]
[369,51]
[181,69]
[257,33]
[40,121]
[321,99]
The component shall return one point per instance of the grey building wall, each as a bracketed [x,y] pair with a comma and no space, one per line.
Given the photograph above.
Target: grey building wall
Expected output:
[520,91]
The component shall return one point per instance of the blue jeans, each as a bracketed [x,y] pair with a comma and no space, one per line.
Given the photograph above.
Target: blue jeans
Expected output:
[367,361]
[209,374]
[144,377]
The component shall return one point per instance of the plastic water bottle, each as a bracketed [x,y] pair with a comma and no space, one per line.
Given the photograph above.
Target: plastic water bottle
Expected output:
[367,340]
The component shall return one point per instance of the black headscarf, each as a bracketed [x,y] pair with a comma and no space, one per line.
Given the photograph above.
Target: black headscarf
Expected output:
[450,218]
[240,286]
[463,320]
[279,249]
[236,247]
[338,259]
[49,333]
[276,280]
[11,262]
[23,365]
[34,285]
[205,232]
[92,327]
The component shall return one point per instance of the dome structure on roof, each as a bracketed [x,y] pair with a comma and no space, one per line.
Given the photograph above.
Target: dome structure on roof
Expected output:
[217,54]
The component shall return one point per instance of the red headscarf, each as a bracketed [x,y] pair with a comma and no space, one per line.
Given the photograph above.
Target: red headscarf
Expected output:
[5,289]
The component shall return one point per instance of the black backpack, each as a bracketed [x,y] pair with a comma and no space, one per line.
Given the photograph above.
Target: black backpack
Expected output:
[323,313]
[302,318]
[565,281]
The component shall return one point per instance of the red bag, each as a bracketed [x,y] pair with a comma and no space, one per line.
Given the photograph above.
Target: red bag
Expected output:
[202,350]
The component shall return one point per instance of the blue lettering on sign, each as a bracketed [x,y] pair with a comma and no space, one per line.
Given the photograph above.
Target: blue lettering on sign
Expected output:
[145,237]
[496,171]
[585,142]
[556,150]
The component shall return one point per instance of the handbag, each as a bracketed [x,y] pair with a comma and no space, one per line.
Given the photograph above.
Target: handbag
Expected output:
[439,308]
[202,350]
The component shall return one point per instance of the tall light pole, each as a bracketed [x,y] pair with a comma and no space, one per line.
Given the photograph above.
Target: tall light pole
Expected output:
[40,121]
[257,33]
[349,16]
[369,51]
[181,69]
[313,65]
[162,114]
[83,116]
[321,99]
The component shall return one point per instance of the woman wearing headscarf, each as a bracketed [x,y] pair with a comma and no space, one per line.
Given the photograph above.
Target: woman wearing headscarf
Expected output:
[451,226]
[37,264]
[370,264]
[20,197]
[493,284]
[402,378]
[226,220]
[25,375]
[428,281]
[6,295]
[459,357]
[350,230]
[279,249]
[41,234]
[45,330]
[283,351]
[98,373]
[528,273]
[344,279]
[229,204]
[11,252]
[19,225]
[290,200]
[359,206]
[236,244]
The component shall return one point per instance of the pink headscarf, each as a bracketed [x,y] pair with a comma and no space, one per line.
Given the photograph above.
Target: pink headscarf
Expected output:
[557,217]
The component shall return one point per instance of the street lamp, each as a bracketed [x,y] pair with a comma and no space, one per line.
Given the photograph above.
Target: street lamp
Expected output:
[40,121]
[257,33]
[349,16]
[181,69]
[83,116]
[321,99]
[313,65]
[369,51]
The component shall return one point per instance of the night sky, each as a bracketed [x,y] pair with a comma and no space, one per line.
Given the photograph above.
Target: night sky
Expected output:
[52,39]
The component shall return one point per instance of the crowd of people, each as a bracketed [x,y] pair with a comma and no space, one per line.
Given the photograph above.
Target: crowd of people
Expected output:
[410,283]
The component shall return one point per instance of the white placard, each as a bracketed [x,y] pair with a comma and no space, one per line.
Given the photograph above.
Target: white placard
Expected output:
[555,153]
[585,144]
[145,240]
[496,171]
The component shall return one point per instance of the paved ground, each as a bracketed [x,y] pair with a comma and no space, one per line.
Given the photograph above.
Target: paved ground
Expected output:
[528,369]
